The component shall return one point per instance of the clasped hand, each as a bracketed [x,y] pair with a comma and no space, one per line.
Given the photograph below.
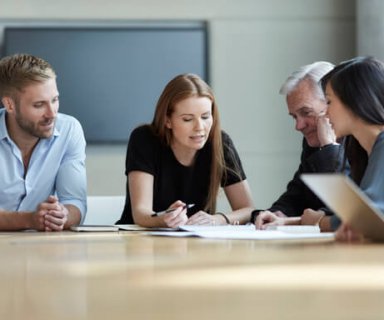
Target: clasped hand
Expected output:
[50,215]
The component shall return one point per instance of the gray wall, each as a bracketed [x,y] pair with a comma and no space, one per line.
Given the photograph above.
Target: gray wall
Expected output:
[370,28]
[255,44]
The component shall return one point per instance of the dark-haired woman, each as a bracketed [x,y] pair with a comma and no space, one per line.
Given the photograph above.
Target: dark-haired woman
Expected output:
[355,95]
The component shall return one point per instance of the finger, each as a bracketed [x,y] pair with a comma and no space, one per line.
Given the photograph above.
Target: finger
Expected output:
[341,233]
[177,204]
[269,224]
[258,223]
[57,213]
[48,229]
[264,218]
[39,225]
[200,221]
[50,206]
[174,218]
[180,221]
[308,211]
[40,213]
[204,218]
[52,199]
[260,220]
[196,217]
[50,226]
[279,214]
[52,221]
[174,214]
[349,235]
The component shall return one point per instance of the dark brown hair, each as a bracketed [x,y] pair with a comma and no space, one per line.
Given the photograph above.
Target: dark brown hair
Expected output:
[359,84]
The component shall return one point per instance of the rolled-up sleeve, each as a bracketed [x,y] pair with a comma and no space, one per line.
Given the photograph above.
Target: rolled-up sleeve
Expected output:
[71,181]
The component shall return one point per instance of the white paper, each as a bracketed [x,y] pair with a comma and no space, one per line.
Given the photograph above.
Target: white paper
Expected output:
[246,232]
[221,228]
[263,235]
[135,227]
[94,228]
[296,229]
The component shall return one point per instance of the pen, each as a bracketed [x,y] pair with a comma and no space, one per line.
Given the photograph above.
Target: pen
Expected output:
[160,213]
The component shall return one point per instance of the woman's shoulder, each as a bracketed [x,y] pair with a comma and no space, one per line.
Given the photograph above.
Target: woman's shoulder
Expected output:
[226,140]
[229,149]
[380,138]
[143,133]
[233,165]
[377,154]
[224,135]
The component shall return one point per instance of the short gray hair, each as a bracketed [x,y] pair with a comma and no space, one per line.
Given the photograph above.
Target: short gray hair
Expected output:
[313,72]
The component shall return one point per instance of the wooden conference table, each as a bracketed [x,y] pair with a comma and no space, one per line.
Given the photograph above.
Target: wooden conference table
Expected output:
[127,275]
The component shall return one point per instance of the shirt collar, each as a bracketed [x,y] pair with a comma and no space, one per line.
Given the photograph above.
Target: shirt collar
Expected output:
[56,132]
[3,126]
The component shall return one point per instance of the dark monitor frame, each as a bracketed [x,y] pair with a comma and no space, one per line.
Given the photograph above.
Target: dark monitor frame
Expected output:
[108,121]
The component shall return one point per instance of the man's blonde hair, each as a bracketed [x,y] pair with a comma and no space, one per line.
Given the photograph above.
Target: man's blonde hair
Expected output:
[20,70]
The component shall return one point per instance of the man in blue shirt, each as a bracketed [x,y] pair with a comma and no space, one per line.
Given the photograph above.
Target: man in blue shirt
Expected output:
[42,152]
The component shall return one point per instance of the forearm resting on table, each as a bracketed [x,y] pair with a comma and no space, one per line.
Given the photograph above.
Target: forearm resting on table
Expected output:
[74,216]
[325,224]
[23,220]
[11,220]
[292,220]
[316,217]
[239,216]
[143,217]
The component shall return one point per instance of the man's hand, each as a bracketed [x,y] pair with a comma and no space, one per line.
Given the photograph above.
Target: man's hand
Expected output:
[312,217]
[50,215]
[268,218]
[346,234]
[325,132]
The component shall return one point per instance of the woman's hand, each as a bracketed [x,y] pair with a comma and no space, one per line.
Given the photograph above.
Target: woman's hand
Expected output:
[177,217]
[205,219]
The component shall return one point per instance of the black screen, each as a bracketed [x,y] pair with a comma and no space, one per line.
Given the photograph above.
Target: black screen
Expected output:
[110,78]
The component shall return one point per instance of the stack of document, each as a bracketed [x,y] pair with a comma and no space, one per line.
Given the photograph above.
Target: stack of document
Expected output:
[248,232]
[219,232]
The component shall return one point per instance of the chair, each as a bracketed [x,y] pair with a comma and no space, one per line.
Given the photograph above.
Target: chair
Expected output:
[104,209]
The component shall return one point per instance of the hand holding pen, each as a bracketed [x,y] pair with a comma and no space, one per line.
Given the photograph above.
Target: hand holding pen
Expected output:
[175,216]
[160,213]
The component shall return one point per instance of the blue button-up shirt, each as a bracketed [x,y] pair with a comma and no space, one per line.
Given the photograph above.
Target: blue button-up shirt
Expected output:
[57,166]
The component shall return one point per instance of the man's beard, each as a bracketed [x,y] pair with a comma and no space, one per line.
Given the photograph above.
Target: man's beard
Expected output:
[34,129]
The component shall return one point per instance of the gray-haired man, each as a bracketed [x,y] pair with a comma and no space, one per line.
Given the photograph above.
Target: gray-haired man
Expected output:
[307,106]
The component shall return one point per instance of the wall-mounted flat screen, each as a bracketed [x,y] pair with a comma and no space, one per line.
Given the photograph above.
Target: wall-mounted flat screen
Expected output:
[110,78]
